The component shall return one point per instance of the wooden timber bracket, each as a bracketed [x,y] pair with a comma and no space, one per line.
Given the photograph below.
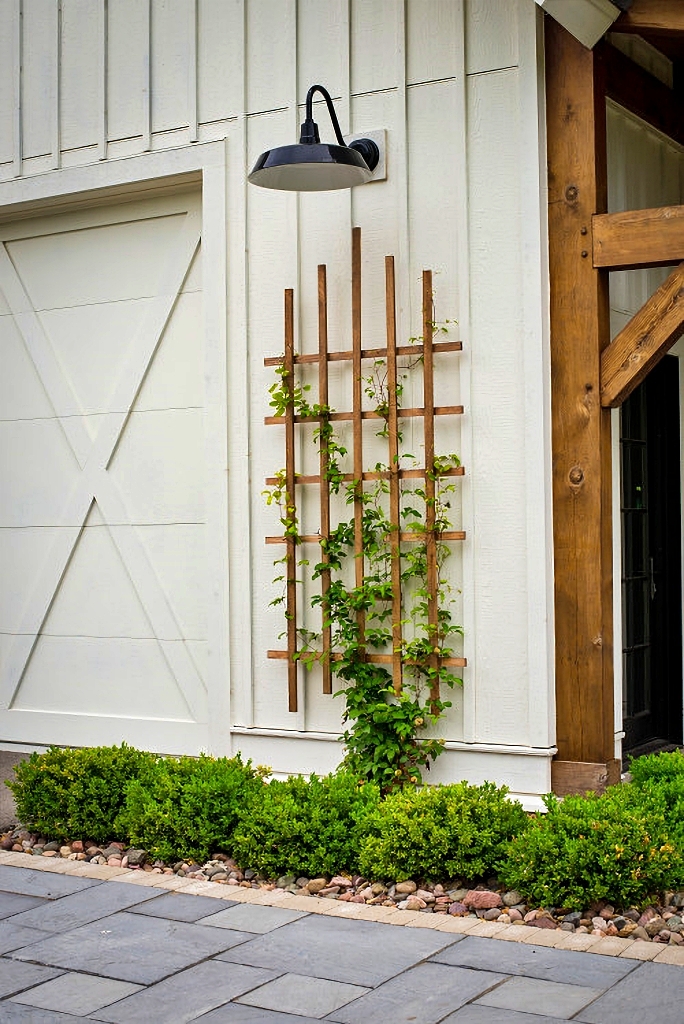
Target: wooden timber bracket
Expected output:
[628,241]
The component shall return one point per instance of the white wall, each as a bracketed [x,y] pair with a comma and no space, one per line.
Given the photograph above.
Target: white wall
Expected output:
[456,84]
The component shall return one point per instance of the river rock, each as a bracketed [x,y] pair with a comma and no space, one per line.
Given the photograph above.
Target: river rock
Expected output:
[423,894]
[544,922]
[405,888]
[458,910]
[136,858]
[482,899]
[512,898]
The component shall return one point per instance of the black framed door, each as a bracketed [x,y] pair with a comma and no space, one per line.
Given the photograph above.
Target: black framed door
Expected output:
[651,559]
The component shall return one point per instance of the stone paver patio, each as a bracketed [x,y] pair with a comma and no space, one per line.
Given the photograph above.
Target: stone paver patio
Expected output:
[80,942]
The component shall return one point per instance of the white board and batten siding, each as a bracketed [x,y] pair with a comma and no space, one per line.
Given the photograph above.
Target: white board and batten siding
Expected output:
[140,611]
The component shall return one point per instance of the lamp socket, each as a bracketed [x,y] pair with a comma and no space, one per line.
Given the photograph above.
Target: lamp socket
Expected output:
[379,137]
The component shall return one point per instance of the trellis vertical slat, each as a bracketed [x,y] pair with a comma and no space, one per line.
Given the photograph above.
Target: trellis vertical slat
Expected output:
[393,447]
[324,462]
[290,504]
[357,422]
[430,488]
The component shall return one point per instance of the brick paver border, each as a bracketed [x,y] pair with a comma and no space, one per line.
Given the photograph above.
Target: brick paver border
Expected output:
[634,949]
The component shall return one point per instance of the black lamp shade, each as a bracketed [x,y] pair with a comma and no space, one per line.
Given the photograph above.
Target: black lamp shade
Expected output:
[310,167]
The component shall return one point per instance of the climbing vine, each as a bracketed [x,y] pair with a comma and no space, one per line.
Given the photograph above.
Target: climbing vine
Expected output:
[385,733]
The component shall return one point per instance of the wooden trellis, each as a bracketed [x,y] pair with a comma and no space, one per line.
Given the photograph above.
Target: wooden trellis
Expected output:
[394,474]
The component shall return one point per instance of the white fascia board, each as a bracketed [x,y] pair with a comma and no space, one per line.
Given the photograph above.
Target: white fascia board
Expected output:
[587,20]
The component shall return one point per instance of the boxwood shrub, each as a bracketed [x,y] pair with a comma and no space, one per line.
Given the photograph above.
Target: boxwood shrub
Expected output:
[440,832]
[305,826]
[615,847]
[188,807]
[73,794]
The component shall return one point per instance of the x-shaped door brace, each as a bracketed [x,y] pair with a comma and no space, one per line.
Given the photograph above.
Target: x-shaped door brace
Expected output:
[627,241]
[94,482]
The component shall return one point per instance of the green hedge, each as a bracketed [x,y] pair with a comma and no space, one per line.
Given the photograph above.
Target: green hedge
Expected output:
[69,794]
[624,846]
[305,827]
[186,807]
[440,832]
[615,847]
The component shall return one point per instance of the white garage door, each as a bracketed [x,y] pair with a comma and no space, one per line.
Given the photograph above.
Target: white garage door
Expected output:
[103,556]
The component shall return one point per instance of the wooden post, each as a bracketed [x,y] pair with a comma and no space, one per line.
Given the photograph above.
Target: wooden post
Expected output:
[323,466]
[582,481]
[357,421]
[430,486]
[393,449]
[290,506]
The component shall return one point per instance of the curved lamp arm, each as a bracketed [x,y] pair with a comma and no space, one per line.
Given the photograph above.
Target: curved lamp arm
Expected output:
[309,131]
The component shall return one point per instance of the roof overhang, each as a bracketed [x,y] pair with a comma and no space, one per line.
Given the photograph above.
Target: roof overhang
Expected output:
[586,20]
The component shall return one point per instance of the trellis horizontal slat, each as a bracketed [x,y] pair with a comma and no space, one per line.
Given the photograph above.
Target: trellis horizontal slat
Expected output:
[368,353]
[376,659]
[404,474]
[314,538]
[440,410]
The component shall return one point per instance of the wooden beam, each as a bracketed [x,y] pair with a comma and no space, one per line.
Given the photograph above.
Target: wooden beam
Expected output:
[661,17]
[644,341]
[581,434]
[634,89]
[638,238]
[579,776]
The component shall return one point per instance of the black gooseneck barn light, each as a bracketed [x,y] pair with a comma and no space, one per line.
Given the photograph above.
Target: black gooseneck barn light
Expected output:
[314,166]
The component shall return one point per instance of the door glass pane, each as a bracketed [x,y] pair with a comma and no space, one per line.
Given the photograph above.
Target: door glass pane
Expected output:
[637,593]
[635,554]
[634,476]
[633,418]
[637,681]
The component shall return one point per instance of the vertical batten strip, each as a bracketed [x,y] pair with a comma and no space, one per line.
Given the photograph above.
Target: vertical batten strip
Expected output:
[55,145]
[324,463]
[466,130]
[290,505]
[241,553]
[102,81]
[430,489]
[16,77]
[192,71]
[345,116]
[294,203]
[147,78]
[225,427]
[393,446]
[357,422]
[401,132]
